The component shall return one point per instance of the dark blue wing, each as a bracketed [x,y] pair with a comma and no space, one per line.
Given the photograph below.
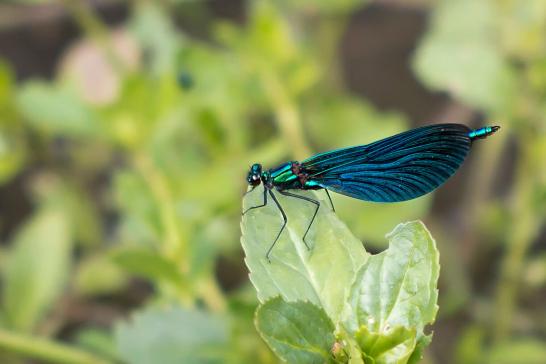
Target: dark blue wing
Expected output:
[398,168]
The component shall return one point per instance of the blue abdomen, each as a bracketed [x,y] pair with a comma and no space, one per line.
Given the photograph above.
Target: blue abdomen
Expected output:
[482,133]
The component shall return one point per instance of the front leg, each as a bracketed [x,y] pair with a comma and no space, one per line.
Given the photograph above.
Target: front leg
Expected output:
[258,206]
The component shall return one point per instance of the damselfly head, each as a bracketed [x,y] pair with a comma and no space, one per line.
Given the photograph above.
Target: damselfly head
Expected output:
[254,175]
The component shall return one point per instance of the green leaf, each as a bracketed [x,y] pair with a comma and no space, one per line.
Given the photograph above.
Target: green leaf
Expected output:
[322,275]
[521,28]
[298,332]
[141,222]
[458,54]
[148,264]
[322,6]
[528,351]
[392,346]
[12,154]
[153,28]
[12,137]
[37,268]
[55,110]
[99,275]
[417,354]
[172,335]
[398,287]
[97,341]
[471,345]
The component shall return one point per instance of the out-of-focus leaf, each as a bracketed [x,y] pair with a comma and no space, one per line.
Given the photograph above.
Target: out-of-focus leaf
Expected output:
[372,221]
[267,37]
[322,6]
[7,109]
[216,235]
[459,54]
[536,74]
[12,143]
[99,275]
[132,118]
[98,341]
[322,275]
[245,344]
[37,268]
[79,207]
[528,351]
[56,110]
[298,332]
[172,336]
[336,121]
[12,155]
[470,348]
[398,287]
[535,271]
[148,264]
[140,220]
[89,69]
[225,100]
[521,28]
[392,346]
[270,51]
[153,28]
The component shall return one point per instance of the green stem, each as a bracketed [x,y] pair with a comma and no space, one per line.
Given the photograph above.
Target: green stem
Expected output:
[46,350]
[212,295]
[287,115]
[525,225]
[173,245]
[327,38]
[475,199]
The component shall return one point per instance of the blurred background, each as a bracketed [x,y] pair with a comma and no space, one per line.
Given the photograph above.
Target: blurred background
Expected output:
[127,129]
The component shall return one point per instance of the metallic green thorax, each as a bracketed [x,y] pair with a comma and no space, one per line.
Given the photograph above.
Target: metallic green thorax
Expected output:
[289,176]
[284,177]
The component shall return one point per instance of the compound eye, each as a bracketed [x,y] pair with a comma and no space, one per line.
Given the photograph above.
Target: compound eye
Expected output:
[254,180]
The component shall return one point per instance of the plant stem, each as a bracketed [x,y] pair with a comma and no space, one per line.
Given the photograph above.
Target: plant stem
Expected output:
[212,295]
[525,225]
[287,115]
[46,350]
[174,245]
[327,40]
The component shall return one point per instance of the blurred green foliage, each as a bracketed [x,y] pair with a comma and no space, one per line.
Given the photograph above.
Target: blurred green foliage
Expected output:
[496,64]
[133,158]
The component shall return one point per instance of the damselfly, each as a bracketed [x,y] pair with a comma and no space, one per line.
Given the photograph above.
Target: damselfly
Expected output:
[399,168]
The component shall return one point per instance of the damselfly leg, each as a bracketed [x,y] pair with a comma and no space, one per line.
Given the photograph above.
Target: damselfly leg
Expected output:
[317,204]
[329,198]
[282,228]
[257,206]
[285,219]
